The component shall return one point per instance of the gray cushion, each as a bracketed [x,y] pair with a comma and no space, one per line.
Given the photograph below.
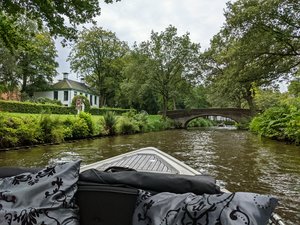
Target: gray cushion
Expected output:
[218,209]
[44,197]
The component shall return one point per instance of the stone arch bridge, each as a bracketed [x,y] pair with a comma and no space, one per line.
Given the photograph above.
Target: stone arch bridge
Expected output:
[183,117]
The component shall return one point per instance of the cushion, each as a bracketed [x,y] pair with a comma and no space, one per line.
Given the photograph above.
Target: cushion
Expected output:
[44,197]
[210,209]
[156,182]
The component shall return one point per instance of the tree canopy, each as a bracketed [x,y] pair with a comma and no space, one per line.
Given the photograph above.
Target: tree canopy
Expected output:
[171,61]
[32,66]
[97,56]
[60,17]
[258,44]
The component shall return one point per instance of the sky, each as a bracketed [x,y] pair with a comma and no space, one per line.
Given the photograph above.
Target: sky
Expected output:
[133,21]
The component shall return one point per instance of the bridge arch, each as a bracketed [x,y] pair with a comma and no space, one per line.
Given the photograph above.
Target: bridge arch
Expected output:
[185,125]
[183,117]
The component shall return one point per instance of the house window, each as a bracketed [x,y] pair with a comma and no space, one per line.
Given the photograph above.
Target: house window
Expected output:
[91,99]
[66,95]
[55,94]
[75,93]
[95,100]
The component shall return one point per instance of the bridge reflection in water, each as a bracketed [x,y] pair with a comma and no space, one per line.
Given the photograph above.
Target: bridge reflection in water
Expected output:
[183,116]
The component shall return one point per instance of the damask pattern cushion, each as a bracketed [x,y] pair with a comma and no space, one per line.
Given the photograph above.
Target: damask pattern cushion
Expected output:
[240,208]
[45,197]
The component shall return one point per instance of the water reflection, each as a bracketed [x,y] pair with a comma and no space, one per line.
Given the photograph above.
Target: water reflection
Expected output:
[238,159]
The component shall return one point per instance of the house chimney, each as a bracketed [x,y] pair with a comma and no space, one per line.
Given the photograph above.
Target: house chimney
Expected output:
[82,80]
[65,75]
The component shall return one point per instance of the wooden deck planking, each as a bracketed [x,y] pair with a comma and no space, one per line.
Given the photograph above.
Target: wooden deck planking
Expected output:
[141,162]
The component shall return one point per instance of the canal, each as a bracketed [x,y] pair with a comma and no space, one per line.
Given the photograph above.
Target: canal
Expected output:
[239,160]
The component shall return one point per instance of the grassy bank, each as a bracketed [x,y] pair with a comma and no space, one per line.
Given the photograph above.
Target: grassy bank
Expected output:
[23,129]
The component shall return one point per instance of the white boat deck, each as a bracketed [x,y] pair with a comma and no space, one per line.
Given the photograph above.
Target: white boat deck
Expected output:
[147,160]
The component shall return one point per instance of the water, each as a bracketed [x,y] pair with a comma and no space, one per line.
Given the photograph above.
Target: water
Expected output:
[239,160]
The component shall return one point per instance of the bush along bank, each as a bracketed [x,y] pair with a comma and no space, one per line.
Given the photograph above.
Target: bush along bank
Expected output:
[18,130]
[280,123]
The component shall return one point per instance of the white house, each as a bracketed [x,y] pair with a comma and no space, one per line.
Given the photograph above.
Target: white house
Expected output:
[65,90]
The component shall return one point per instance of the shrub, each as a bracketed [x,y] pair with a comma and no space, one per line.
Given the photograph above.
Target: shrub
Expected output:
[16,131]
[158,124]
[42,100]
[35,108]
[140,120]
[80,129]
[88,119]
[102,111]
[126,126]
[49,126]
[29,132]
[281,122]
[8,136]
[109,122]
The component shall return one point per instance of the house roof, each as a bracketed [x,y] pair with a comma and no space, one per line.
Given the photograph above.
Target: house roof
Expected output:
[73,85]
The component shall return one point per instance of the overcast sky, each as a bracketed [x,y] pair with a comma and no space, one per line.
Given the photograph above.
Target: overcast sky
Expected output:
[133,20]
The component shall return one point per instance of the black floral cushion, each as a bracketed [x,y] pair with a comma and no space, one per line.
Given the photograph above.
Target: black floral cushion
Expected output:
[238,208]
[45,197]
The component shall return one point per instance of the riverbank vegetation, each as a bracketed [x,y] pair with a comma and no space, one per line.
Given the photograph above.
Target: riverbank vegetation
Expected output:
[256,49]
[280,122]
[31,129]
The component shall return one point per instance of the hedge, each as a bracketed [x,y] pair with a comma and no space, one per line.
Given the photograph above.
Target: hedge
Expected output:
[36,108]
[102,111]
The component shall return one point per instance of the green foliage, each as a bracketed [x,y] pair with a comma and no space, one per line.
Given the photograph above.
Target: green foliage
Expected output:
[86,102]
[281,122]
[110,120]
[60,19]
[42,100]
[80,129]
[171,63]
[267,98]
[31,66]
[137,121]
[88,120]
[200,122]
[126,126]
[103,110]
[51,129]
[19,129]
[244,124]
[97,56]
[294,87]
[159,124]
[251,50]
[27,107]
[15,131]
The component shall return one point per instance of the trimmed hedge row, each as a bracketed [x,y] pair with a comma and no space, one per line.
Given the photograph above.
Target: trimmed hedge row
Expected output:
[36,108]
[28,107]
[117,111]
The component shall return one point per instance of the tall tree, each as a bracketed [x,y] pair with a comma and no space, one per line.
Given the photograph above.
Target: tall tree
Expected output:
[171,60]
[135,89]
[97,56]
[8,70]
[61,17]
[32,64]
[258,44]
